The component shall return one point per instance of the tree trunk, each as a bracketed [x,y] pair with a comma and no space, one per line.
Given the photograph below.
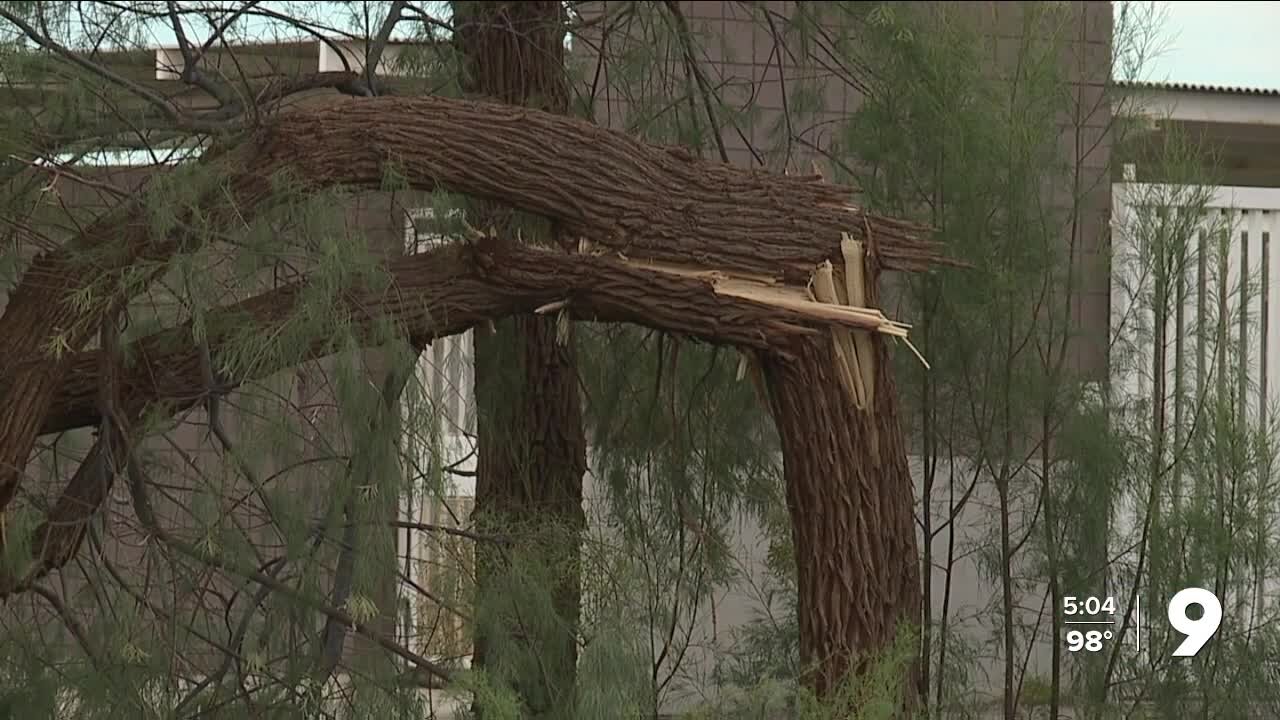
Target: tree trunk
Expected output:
[857,567]
[850,497]
[532,449]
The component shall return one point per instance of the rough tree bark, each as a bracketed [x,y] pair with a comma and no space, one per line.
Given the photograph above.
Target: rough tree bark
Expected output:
[531,445]
[653,203]
[851,501]
[673,240]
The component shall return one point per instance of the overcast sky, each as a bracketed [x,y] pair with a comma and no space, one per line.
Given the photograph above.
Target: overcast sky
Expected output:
[1220,43]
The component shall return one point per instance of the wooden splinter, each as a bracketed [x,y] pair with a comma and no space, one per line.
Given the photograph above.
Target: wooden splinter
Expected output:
[855,279]
[847,360]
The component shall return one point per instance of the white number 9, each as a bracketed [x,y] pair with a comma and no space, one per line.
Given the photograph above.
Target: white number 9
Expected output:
[1198,631]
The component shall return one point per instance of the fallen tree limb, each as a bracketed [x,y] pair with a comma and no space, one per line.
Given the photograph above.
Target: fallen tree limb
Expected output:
[447,291]
[431,295]
[689,247]
[648,202]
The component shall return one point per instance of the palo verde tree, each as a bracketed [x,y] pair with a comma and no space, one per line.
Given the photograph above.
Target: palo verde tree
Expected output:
[223,274]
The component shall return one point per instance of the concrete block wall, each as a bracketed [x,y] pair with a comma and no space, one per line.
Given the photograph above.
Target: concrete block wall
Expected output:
[741,53]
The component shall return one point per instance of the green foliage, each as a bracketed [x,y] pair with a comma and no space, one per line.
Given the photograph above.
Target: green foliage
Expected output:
[306,467]
[976,155]
[610,683]
[490,699]
[875,694]
[681,447]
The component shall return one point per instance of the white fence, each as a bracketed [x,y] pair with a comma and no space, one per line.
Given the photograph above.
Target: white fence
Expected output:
[1205,255]
[1219,268]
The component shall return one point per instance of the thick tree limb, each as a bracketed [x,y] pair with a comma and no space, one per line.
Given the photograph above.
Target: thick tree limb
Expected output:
[692,248]
[643,200]
[431,295]
[445,292]
[647,201]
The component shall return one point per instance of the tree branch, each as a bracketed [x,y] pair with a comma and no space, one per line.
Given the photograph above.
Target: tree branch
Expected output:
[333,637]
[280,588]
[448,291]
[654,205]
[379,45]
[191,73]
[431,295]
[694,69]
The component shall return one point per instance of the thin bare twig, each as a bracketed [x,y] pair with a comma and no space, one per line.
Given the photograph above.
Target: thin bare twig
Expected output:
[691,64]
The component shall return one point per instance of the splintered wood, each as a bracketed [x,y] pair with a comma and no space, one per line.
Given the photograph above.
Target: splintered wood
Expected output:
[846,356]
[835,296]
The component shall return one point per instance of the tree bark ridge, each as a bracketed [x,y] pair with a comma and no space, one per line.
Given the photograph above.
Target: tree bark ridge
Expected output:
[852,520]
[440,293]
[851,499]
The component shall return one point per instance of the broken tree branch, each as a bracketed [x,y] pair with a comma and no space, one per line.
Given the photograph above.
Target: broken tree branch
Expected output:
[431,295]
[447,291]
[648,202]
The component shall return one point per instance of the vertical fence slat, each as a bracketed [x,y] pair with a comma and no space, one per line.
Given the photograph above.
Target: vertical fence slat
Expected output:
[1264,332]
[1241,290]
[1203,247]
[1272,363]
[1183,282]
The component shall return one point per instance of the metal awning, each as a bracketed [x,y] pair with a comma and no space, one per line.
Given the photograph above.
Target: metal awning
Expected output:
[1238,126]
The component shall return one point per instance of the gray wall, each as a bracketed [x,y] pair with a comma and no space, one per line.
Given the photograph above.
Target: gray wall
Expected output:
[739,54]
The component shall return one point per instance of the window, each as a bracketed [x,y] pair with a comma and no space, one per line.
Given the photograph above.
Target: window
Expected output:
[445,400]
[446,368]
